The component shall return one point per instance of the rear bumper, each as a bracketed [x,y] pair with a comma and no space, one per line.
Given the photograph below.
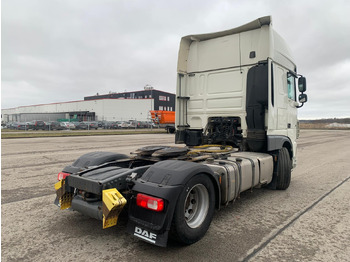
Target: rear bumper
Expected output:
[91,209]
[107,209]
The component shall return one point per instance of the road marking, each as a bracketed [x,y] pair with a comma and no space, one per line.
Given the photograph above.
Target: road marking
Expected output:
[266,240]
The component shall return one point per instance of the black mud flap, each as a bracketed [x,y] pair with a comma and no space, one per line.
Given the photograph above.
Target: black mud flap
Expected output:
[148,225]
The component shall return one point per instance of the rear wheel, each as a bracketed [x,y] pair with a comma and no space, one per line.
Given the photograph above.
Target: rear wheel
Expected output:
[194,210]
[284,169]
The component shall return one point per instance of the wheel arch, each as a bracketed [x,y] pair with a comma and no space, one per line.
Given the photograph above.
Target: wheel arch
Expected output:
[165,179]
[178,173]
[216,185]
[276,142]
[289,148]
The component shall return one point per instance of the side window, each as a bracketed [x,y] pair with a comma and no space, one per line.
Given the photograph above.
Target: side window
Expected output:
[280,81]
[291,86]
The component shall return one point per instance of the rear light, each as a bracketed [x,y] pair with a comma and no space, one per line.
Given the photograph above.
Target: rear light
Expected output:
[148,202]
[62,175]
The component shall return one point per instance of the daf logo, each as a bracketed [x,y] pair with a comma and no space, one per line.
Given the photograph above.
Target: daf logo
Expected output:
[144,234]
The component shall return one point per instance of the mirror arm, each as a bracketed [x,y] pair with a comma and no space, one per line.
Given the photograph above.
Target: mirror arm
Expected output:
[300,105]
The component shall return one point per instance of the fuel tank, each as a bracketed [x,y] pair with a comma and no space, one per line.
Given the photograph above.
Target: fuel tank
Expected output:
[241,171]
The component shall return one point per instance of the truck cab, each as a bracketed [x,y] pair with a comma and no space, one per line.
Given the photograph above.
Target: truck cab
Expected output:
[238,87]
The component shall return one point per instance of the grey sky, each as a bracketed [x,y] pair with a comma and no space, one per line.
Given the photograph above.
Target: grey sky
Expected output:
[63,50]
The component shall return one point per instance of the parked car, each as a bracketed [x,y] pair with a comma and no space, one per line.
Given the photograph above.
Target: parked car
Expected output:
[81,125]
[14,125]
[37,125]
[110,125]
[119,124]
[67,125]
[124,125]
[134,124]
[141,124]
[22,126]
[92,125]
[11,125]
[53,125]
[149,124]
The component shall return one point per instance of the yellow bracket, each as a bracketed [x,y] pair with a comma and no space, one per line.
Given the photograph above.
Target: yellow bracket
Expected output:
[112,204]
[65,198]
[59,185]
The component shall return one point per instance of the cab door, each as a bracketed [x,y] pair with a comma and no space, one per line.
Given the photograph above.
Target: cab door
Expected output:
[292,121]
[286,102]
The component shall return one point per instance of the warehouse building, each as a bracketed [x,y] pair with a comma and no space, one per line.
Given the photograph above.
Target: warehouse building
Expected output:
[109,107]
[162,100]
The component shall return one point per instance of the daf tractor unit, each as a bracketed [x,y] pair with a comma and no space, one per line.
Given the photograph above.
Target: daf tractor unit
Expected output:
[237,97]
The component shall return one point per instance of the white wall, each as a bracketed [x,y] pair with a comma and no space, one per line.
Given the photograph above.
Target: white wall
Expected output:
[105,109]
[122,109]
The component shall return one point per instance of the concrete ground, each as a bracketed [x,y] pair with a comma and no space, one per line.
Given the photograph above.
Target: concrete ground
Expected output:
[307,222]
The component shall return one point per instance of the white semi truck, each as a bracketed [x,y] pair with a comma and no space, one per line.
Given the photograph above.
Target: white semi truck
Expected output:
[236,111]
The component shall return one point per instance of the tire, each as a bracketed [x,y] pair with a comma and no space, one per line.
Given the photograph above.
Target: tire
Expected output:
[284,169]
[194,210]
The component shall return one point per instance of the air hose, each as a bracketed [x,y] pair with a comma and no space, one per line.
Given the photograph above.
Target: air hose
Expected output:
[209,149]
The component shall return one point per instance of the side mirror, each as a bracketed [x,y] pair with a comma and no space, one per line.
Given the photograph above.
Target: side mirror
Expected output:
[302,84]
[303,98]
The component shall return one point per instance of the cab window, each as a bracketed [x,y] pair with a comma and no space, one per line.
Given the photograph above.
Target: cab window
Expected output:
[291,86]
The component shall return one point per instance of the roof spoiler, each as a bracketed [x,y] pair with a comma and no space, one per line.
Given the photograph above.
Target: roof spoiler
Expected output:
[187,40]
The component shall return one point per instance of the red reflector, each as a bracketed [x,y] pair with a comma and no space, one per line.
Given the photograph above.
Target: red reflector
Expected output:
[62,175]
[148,202]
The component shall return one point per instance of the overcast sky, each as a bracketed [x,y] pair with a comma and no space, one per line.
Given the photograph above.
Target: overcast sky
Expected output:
[63,50]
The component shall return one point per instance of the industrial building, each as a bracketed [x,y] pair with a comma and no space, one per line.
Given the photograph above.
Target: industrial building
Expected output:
[109,107]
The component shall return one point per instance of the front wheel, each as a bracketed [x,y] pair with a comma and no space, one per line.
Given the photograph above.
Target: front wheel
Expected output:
[284,169]
[194,210]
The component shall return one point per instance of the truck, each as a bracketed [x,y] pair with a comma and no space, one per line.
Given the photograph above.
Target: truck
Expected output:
[236,116]
[164,119]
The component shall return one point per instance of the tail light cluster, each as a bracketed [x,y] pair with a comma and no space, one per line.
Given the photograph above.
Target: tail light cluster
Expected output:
[62,175]
[149,202]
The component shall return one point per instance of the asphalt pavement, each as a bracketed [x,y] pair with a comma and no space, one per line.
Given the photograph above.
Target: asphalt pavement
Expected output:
[307,222]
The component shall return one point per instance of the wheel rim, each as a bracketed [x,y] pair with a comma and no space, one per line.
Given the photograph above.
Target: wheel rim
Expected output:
[196,205]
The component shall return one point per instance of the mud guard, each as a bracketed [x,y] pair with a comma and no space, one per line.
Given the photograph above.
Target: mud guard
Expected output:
[93,159]
[165,180]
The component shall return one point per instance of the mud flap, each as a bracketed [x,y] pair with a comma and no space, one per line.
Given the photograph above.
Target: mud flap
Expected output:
[148,235]
[65,198]
[112,204]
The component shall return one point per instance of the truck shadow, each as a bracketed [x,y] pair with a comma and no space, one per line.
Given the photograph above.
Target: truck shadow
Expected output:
[75,225]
